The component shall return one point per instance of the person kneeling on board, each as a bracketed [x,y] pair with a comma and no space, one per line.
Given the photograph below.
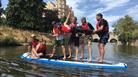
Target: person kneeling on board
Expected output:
[37,48]
[32,45]
[41,49]
[59,40]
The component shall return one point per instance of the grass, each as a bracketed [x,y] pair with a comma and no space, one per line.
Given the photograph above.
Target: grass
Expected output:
[11,36]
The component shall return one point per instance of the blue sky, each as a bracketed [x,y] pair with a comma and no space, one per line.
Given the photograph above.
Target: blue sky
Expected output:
[111,9]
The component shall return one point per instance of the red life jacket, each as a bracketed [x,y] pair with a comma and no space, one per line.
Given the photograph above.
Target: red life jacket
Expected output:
[34,43]
[97,25]
[105,28]
[85,26]
[73,25]
[65,29]
[42,48]
[56,30]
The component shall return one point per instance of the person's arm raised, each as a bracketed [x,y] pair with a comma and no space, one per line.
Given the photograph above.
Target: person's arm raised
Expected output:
[67,19]
[65,23]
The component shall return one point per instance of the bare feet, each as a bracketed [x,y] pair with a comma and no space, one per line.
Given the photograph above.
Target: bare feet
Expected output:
[100,61]
[69,57]
[76,59]
[51,55]
[90,60]
[82,57]
[64,58]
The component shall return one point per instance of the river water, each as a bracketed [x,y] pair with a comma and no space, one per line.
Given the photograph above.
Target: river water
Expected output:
[12,66]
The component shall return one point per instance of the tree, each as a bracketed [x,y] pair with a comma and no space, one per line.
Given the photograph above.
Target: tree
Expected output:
[26,14]
[126,28]
[50,16]
[135,32]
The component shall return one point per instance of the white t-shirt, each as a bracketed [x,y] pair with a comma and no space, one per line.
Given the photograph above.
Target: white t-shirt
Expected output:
[60,37]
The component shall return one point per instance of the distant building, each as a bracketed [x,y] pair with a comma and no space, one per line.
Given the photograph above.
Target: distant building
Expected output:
[51,6]
[61,6]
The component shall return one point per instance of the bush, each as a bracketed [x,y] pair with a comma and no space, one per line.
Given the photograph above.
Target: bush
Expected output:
[126,29]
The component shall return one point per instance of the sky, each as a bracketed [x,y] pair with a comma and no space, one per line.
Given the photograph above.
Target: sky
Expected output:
[112,10]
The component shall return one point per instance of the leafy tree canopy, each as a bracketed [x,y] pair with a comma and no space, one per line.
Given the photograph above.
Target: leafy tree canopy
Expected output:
[126,29]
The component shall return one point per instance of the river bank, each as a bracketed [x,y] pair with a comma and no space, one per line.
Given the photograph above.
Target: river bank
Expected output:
[15,37]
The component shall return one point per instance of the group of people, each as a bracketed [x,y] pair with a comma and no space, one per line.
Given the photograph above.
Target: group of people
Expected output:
[77,36]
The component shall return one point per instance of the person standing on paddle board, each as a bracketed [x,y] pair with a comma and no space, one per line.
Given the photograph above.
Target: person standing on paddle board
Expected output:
[59,40]
[102,29]
[74,38]
[87,27]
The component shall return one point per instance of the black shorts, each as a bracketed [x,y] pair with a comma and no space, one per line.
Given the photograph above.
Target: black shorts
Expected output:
[104,38]
[59,43]
[74,41]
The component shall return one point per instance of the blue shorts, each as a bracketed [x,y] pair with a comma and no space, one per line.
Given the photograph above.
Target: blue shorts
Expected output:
[104,38]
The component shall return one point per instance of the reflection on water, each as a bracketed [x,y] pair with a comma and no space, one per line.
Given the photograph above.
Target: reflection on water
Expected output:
[12,66]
